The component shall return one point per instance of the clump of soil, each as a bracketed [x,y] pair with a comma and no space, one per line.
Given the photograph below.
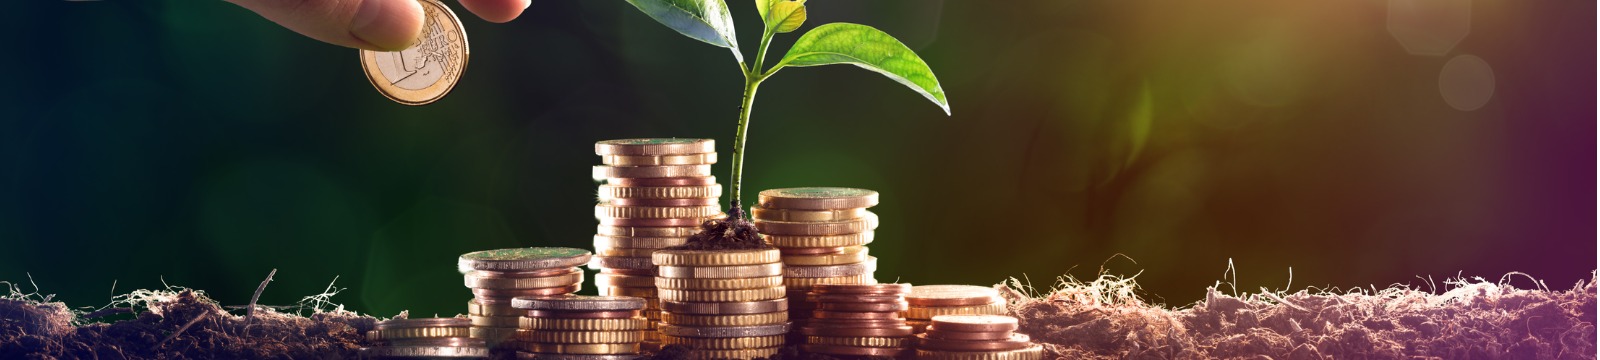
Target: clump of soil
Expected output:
[175,324]
[730,233]
[1105,319]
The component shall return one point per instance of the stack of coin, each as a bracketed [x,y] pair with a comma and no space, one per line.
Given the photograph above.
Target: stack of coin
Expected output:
[656,193]
[822,233]
[975,337]
[724,304]
[497,276]
[429,338]
[580,327]
[928,301]
[858,320]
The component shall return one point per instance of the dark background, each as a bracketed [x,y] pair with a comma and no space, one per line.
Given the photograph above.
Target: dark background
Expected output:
[196,143]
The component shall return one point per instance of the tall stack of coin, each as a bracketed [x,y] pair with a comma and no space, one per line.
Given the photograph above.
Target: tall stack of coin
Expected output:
[656,193]
[725,304]
[580,327]
[858,320]
[975,337]
[497,276]
[928,301]
[429,338]
[822,233]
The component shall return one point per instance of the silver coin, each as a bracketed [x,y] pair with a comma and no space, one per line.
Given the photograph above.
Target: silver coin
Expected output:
[522,259]
[860,268]
[523,355]
[578,303]
[619,262]
[724,331]
[720,272]
[423,322]
[426,351]
[725,308]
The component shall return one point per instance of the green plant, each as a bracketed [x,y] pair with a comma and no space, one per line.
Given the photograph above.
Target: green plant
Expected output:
[835,43]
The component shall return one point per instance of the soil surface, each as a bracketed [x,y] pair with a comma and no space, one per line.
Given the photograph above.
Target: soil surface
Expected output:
[730,233]
[1100,319]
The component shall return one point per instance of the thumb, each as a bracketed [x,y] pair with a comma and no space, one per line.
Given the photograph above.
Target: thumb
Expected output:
[386,25]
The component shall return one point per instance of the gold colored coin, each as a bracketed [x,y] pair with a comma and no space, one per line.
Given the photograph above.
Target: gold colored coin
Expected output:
[715,257]
[641,292]
[1033,352]
[719,272]
[562,324]
[925,313]
[709,354]
[644,232]
[477,280]
[841,227]
[806,283]
[609,280]
[654,146]
[722,295]
[819,241]
[418,332]
[580,337]
[817,198]
[655,212]
[761,213]
[494,321]
[602,172]
[771,318]
[609,192]
[653,315]
[733,343]
[851,255]
[656,160]
[860,341]
[578,349]
[640,242]
[426,71]
[479,309]
[622,252]
[494,335]
[718,284]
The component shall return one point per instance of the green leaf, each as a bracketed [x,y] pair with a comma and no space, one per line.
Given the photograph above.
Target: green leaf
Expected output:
[763,6]
[787,16]
[704,20]
[868,48]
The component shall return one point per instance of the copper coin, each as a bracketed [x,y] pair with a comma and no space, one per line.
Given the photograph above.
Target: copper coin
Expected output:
[951,295]
[973,323]
[726,308]
[663,202]
[817,198]
[870,289]
[423,323]
[840,306]
[673,181]
[852,298]
[811,251]
[487,274]
[522,259]
[1015,342]
[655,222]
[558,314]
[840,331]
[629,272]
[858,323]
[854,351]
[857,315]
[500,293]
[967,336]
[654,146]
[615,262]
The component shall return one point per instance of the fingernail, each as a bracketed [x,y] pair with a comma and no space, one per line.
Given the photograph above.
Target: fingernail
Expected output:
[387,24]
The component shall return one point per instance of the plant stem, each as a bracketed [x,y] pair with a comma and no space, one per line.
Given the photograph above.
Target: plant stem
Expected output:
[751,82]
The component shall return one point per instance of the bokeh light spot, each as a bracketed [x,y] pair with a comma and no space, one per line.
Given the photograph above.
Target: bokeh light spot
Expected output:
[1429,27]
[1466,82]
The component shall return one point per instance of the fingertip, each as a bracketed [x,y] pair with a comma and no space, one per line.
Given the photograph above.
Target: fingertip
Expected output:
[388,25]
[497,11]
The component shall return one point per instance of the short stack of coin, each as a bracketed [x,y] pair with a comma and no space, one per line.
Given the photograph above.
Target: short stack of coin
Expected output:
[429,338]
[724,304]
[858,320]
[656,193]
[574,327]
[822,233]
[975,337]
[497,276]
[928,301]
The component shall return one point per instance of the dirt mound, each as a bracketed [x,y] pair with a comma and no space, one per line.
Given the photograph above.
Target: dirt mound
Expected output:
[1105,319]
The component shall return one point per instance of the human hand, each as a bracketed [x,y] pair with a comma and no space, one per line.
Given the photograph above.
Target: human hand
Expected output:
[385,25]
